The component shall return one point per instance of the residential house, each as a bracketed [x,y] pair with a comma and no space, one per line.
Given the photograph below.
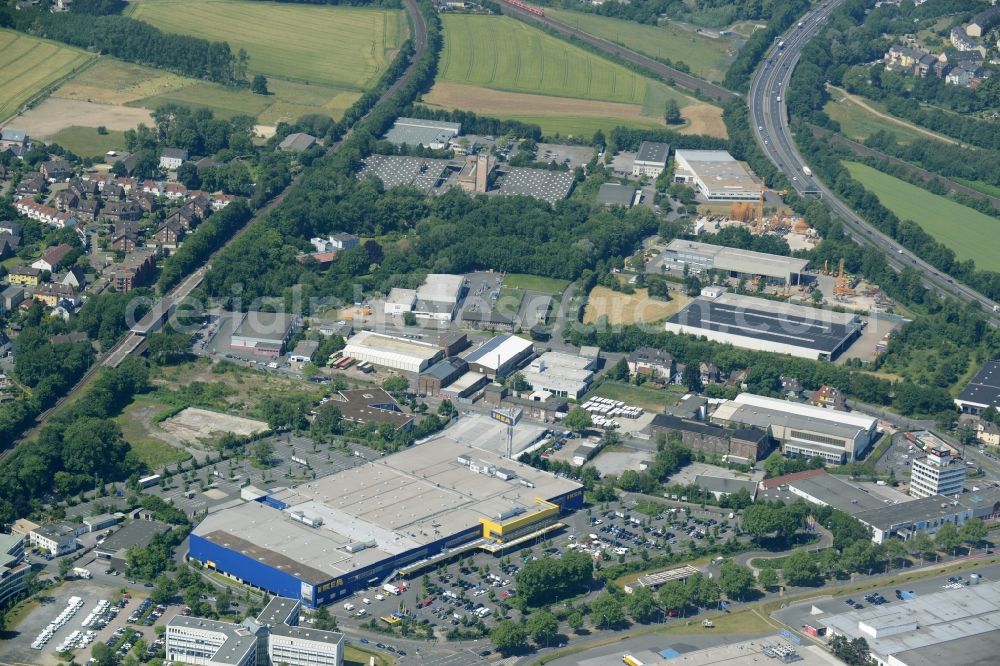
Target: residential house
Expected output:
[154,187]
[902,58]
[220,201]
[963,42]
[14,140]
[11,297]
[343,241]
[168,234]
[297,142]
[965,59]
[75,278]
[56,169]
[988,433]
[829,396]
[147,202]
[31,185]
[56,294]
[69,338]
[172,158]
[201,205]
[175,191]
[66,200]
[10,227]
[24,275]
[960,76]
[52,257]
[125,242]
[135,271]
[652,363]
[925,65]
[87,210]
[129,163]
[791,387]
[45,214]
[112,192]
[709,373]
[8,244]
[983,22]
[122,211]
[206,163]
[84,189]
[185,217]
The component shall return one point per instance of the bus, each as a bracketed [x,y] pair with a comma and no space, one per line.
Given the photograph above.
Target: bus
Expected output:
[631,661]
[148,481]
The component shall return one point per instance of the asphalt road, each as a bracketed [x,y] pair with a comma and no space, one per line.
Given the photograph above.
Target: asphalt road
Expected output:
[768,113]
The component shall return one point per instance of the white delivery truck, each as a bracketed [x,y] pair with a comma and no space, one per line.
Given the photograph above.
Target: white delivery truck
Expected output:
[807,171]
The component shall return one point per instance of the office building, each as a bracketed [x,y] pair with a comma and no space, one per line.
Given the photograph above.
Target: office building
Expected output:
[57,538]
[937,473]
[905,519]
[651,159]
[822,489]
[13,569]
[274,638]
[802,430]
[738,444]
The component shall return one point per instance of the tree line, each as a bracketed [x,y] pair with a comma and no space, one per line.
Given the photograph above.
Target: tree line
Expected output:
[132,40]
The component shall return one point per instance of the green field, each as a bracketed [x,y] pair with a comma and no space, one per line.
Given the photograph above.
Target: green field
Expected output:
[707,57]
[980,186]
[535,283]
[86,142]
[971,234]
[504,54]
[344,47]
[28,64]
[651,399]
[858,123]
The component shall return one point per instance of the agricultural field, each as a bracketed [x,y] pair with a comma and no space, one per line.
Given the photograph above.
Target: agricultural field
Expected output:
[968,232]
[637,308]
[708,57]
[343,47]
[28,65]
[501,67]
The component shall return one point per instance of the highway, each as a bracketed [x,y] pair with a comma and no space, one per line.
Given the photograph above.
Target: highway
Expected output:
[769,118]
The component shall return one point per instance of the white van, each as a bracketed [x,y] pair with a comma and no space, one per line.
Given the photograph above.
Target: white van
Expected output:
[367,600]
[348,606]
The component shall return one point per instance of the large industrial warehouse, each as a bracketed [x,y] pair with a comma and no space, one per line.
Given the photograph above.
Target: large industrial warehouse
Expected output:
[701,257]
[771,326]
[802,430]
[392,352]
[335,535]
[717,175]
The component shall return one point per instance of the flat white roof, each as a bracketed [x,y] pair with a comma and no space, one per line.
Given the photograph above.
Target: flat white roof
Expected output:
[400,502]
[809,411]
[497,351]
[441,288]
[389,344]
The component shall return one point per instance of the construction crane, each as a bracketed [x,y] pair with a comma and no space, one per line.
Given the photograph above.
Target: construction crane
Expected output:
[843,284]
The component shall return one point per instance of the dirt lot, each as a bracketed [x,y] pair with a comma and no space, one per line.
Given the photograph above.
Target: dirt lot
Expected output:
[195,424]
[495,103]
[630,308]
[55,114]
[704,119]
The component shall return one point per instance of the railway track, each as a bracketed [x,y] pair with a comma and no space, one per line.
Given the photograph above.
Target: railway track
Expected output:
[134,344]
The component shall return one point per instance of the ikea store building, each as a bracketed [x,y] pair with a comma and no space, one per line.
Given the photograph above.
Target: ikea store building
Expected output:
[394,516]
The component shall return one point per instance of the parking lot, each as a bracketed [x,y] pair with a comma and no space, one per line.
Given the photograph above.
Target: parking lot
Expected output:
[811,612]
[571,156]
[92,620]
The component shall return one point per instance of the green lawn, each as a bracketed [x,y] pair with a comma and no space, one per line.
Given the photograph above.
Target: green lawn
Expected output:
[342,46]
[355,656]
[639,396]
[978,185]
[505,54]
[535,283]
[708,58]
[28,64]
[971,234]
[86,142]
[858,123]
